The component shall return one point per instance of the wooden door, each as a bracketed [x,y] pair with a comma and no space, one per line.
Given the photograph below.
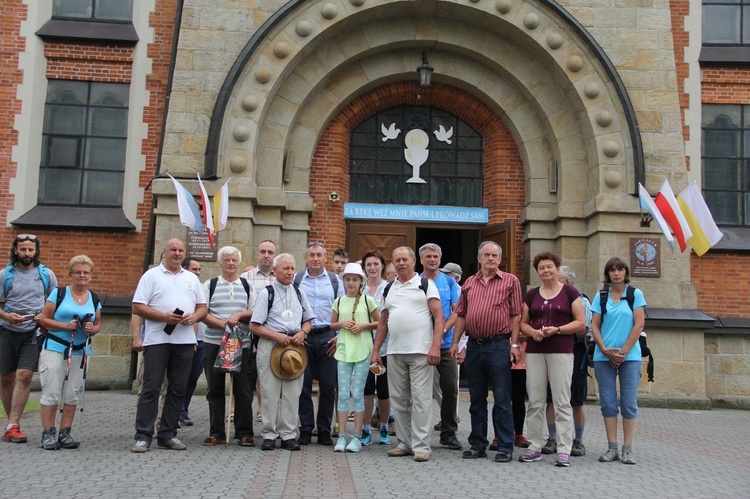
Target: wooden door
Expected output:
[504,234]
[385,237]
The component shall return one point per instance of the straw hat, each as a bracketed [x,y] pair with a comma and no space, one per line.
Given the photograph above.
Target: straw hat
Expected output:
[288,362]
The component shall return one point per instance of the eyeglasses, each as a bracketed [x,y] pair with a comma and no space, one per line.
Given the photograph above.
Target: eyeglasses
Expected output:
[315,243]
[25,237]
[81,272]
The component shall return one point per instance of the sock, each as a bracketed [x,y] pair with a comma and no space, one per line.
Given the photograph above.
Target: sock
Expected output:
[627,448]
[366,428]
[384,426]
[612,445]
[552,431]
[579,433]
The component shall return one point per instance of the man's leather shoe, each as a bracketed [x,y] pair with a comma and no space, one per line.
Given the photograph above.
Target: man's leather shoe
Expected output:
[290,444]
[421,457]
[399,452]
[324,438]
[268,444]
[305,437]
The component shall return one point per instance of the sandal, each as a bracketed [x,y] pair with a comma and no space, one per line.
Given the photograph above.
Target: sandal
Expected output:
[474,453]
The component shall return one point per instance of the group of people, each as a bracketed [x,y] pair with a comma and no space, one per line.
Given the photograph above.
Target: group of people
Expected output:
[358,333]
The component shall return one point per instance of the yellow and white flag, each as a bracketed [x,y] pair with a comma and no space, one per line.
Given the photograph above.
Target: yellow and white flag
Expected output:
[221,206]
[705,232]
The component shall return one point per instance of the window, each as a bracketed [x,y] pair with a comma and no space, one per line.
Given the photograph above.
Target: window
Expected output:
[726,22]
[726,163]
[84,139]
[93,10]
[452,155]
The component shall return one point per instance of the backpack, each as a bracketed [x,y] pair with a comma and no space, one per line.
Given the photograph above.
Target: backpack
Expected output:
[424,282]
[213,282]
[10,273]
[334,281]
[645,350]
[61,292]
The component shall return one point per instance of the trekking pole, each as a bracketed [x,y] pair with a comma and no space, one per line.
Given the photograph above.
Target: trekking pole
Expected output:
[85,369]
[66,356]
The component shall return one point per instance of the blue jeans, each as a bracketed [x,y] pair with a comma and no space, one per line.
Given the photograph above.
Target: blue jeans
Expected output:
[630,375]
[489,365]
[322,367]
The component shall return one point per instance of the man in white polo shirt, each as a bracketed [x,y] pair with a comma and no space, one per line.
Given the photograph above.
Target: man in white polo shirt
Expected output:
[412,312]
[171,301]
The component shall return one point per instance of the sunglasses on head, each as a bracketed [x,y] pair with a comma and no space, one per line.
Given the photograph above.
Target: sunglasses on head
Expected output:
[25,237]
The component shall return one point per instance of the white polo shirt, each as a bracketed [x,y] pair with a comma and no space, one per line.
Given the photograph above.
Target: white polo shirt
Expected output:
[164,291]
[409,317]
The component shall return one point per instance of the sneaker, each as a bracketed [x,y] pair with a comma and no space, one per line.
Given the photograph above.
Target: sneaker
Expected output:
[627,457]
[366,437]
[65,440]
[609,456]
[140,447]
[14,435]
[172,444]
[185,421]
[563,460]
[49,439]
[521,441]
[550,447]
[578,449]
[384,439]
[493,445]
[530,456]
[355,445]
[451,442]
[340,444]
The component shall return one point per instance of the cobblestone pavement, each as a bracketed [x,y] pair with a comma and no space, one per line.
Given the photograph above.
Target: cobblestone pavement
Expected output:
[680,453]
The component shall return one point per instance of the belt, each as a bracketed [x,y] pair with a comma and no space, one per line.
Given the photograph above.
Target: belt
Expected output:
[497,337]
[318,330]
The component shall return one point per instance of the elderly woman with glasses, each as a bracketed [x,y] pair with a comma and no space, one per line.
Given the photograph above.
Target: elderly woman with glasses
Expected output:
[70,321]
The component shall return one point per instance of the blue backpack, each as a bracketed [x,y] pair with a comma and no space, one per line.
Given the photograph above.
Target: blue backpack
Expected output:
[10,273]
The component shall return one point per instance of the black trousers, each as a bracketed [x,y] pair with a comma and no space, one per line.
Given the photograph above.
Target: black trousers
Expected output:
[215,394]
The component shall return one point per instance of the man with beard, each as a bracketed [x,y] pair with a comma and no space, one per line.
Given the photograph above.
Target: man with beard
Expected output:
[24,286]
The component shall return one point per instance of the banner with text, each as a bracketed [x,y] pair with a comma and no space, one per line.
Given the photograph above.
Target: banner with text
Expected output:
[405,213]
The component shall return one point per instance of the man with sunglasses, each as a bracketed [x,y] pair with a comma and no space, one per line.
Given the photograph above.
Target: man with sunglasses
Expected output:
[24,286]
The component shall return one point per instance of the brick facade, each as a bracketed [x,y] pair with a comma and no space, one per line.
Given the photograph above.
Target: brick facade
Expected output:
[504,177]
[118,256]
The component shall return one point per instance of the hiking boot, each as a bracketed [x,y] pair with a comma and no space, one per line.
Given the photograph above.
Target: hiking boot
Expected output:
[563,460]
[49,439]
[530,456]
[627,457]
[366,437]
[65,440]
[578,449]
[493,445]
[384,439]
[355,445]
[340,444]
[451,442]
[550,447]
[609,456]
[140,447]
[14,435]
[172,444]
[521,441]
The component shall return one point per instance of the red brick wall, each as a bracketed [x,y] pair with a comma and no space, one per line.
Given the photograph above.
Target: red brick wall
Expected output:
[118,256]
[721,281]
[504,178]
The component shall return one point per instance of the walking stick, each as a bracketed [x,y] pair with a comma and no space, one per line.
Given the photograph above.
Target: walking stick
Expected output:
[229,408]
[85,367]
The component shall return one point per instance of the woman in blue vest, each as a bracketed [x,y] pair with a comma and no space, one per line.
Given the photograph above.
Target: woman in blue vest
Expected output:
[69,323]
[616,325]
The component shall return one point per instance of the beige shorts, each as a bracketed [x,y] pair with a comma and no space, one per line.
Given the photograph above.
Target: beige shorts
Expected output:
[52,369]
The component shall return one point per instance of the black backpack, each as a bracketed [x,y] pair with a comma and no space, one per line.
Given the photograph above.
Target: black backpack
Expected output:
[213,282]
[61,292]
[645,350]
[424,282]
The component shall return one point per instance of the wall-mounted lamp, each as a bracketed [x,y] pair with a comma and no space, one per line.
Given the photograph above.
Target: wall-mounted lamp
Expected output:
[425,72]
[334,196]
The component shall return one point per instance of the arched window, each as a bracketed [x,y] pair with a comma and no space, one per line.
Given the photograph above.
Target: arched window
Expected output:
[416,155]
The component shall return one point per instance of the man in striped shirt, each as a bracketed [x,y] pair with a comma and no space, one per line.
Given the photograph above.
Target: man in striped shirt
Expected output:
[489,310]
[262,275]
[230,301]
